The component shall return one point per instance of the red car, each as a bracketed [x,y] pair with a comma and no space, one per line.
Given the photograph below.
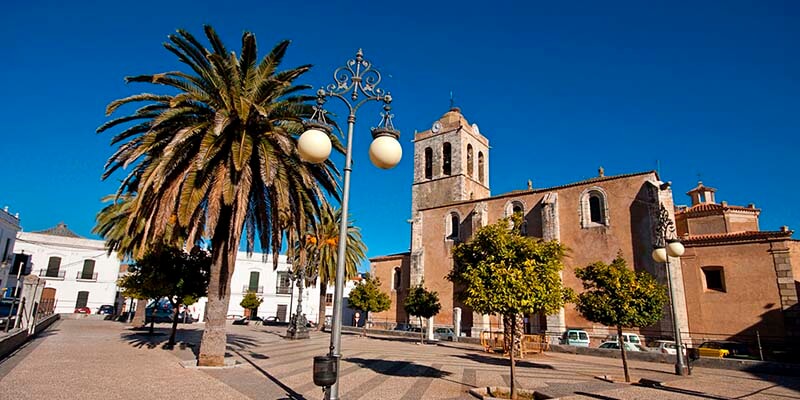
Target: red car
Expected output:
[83,310]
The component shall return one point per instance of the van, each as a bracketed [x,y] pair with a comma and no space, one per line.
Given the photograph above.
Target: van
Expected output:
[626,337]
[575,337]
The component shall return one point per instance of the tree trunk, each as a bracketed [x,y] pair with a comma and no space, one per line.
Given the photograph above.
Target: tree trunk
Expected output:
[138,318]
[624,354]
[152,323]
[323,291]
[171,341]
[511,355]
[514,343]
[421,331]
[225,246]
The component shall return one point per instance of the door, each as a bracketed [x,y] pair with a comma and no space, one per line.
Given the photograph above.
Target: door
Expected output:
[83,299]
[282,312]
[48,301]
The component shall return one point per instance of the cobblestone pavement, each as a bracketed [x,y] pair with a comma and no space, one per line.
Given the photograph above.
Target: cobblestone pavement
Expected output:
[100,359]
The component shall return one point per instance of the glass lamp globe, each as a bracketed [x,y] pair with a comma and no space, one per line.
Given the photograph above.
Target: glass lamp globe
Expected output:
[314,146]
[660,254]
[385,152]
[675,249]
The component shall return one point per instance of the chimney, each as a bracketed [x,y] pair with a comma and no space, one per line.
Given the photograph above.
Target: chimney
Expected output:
[785,228]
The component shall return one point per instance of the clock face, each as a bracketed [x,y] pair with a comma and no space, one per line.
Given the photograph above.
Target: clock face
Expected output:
[437,126]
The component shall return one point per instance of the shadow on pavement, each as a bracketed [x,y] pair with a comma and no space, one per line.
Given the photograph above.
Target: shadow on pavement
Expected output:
[480,358]
[292,395]
[687,392]
[596,396]
[398,368]
[185,339]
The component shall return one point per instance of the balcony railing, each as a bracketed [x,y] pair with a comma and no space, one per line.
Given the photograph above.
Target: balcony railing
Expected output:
[44,273]
[86,277]
[256,289]
[284,290]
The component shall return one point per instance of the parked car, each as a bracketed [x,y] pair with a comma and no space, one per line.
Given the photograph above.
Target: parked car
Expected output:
[626,337]
[666,347]
[575,337]
[83,310]
[106,309]
[628,346]
[402,326]
[724,348]
[443,333]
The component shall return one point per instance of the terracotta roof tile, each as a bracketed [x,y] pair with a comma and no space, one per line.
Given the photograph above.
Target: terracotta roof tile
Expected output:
[60,230]
[714,208]
[734,237]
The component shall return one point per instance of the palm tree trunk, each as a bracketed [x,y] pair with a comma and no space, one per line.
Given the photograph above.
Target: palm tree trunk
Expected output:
[225,242]
[624,355]
[138,318]
[323,291]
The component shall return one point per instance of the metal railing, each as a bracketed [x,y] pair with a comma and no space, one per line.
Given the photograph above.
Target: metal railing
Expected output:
[44,273]
[284,290]
[86,277]
[255,289]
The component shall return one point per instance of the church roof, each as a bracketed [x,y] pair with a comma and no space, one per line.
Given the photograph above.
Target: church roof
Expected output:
[60,230]
[713,208]
[733,237]
[701,188]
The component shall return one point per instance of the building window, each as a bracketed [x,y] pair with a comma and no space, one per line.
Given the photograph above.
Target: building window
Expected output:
[469,160]
[480,167]
[53,265]
[428,163]
[594,208]
[83,299]
[453,225]
[5,251]
[328,299]
[284,283]
[714,278]
[253,286]
[397,279]
[87,273]
[446,155]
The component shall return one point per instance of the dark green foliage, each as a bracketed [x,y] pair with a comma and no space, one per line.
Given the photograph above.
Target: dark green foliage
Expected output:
[250,301]
[617,296]
[422,303]
[367,296]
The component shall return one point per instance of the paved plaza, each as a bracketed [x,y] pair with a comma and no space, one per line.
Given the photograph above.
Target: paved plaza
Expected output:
[89,359]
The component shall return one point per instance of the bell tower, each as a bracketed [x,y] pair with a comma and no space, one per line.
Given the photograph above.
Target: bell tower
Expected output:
[451,163]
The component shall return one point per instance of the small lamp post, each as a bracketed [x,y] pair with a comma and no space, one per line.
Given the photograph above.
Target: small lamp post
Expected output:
[355,84]
[665,248]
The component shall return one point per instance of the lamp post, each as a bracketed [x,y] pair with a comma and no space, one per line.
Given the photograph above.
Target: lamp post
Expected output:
[667,246]
[297,324]
[355,84]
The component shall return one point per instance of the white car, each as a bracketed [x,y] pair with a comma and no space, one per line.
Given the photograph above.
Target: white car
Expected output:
[443,333]
[666,347]
[628,346]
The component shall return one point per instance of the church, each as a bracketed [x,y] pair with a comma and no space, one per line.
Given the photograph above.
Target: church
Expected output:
[595,219]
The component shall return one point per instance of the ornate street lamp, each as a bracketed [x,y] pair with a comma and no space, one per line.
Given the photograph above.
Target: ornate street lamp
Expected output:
[297,323]
[667,246]
[355,83]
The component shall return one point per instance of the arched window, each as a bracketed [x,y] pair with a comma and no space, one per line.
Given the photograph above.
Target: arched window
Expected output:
[480,167]
[453,222]
[469,160]
[397,279]
[428,163]
[594,208]
[517,208]
[446,161]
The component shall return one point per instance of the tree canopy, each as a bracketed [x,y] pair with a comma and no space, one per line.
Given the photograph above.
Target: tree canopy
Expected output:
[251,301]
[504,272]
[422,303]
[617,296]
[368,297]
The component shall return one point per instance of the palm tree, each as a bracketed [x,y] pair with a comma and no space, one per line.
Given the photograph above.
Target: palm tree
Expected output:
[219,158]
[324,244]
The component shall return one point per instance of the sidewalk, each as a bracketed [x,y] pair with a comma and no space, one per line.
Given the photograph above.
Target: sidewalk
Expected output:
[84,359]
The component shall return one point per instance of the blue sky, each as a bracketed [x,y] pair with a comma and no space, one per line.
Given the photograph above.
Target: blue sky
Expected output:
[708,90]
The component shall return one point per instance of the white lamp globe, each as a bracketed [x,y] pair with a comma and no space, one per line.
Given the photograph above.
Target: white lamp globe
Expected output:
[314,146]
[660,255]
[385,152]
[675,249]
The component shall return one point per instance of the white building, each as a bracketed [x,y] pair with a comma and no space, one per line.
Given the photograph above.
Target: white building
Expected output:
[78,271]
[275,287]
[9,226]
